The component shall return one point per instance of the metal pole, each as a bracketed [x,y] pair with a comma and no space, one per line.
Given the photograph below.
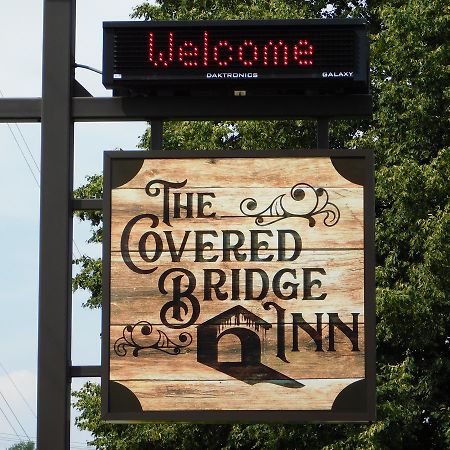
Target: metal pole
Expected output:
[323,133]
[157,134]
[53,424]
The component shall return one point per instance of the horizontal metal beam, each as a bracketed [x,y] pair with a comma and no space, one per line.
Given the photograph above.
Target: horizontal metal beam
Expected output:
[85,371]
[20,109]
[221,108]
[86,109]
[87,204]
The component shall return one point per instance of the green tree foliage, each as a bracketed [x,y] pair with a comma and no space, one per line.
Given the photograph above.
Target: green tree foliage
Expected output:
[89,277]
[409,132]
[23,446]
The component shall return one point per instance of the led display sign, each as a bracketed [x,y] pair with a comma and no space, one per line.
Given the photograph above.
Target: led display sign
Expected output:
[291,55]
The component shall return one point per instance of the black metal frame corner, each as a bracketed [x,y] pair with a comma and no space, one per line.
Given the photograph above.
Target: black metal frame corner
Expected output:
[250,416]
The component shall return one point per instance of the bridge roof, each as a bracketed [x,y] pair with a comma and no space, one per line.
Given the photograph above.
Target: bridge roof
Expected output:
[236,312]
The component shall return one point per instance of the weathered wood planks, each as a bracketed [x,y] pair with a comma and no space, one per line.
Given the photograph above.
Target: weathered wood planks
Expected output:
[136,297]
[347,233]
[305,363]
[235,395]
[250,171]
[236,283]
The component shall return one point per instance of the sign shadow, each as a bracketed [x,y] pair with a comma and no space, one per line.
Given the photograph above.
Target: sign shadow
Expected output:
[256,373]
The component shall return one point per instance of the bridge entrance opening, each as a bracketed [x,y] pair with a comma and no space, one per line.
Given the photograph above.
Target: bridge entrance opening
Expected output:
[249,345]
[229,349]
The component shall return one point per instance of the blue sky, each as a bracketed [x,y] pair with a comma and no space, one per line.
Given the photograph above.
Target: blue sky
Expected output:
[20,76]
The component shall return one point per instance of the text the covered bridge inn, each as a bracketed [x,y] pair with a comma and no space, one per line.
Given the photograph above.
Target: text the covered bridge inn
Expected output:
[237,283]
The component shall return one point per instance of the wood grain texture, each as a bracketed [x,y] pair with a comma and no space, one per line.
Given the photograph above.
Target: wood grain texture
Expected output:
[347,233]
[306,363]
[249,172]
[136,297]
[235,395]
[248,366]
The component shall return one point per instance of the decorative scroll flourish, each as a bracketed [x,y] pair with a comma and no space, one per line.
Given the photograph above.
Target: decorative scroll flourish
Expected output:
[311,202]
[135,337]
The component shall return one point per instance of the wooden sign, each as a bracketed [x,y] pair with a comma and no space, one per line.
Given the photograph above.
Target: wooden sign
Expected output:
[238,286]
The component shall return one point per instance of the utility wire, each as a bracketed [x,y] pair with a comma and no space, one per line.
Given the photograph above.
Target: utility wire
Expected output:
[28,148]
[18,390]
[26,145]
[77,249]
[14,437]
[21,150]
[12,412]
[24,141]
[14,440]
[28,164]
[73,241]
[84,66]
[10,436]
[10,424]
[23,154]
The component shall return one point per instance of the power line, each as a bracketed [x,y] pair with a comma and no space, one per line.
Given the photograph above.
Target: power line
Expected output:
[28,164]
[10,424]
[21,150]
[77,249]
[13,440]
[74,445]
[23,154]
[18,390]
[26,145]
[20,438]
[12,412]
[24,141]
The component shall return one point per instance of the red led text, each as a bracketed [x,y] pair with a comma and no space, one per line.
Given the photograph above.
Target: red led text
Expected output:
[222,53]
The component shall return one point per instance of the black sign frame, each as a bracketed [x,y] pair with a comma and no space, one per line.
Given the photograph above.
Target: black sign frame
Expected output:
[269,81]
[357,402]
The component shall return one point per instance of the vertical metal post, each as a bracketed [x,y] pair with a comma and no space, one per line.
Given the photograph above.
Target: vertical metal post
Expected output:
[157,134]
[53,425]
[323,133]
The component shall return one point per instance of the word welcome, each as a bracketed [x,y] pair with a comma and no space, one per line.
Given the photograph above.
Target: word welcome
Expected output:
[204,52]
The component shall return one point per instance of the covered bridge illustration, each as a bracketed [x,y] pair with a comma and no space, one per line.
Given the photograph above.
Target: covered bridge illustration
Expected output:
[245,325]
